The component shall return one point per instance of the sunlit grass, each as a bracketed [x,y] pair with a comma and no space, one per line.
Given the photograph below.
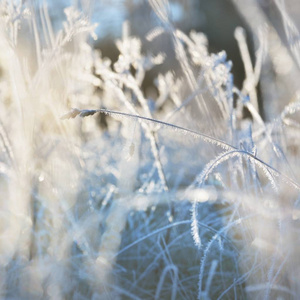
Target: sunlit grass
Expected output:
[108,193]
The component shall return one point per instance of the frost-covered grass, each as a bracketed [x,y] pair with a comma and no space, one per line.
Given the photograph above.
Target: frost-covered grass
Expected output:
[110,190]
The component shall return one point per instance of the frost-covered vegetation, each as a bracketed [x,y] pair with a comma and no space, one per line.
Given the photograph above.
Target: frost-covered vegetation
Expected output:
[185,189]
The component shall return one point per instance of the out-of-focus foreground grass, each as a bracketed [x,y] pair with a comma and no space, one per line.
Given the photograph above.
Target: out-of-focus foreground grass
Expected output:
[155,173]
